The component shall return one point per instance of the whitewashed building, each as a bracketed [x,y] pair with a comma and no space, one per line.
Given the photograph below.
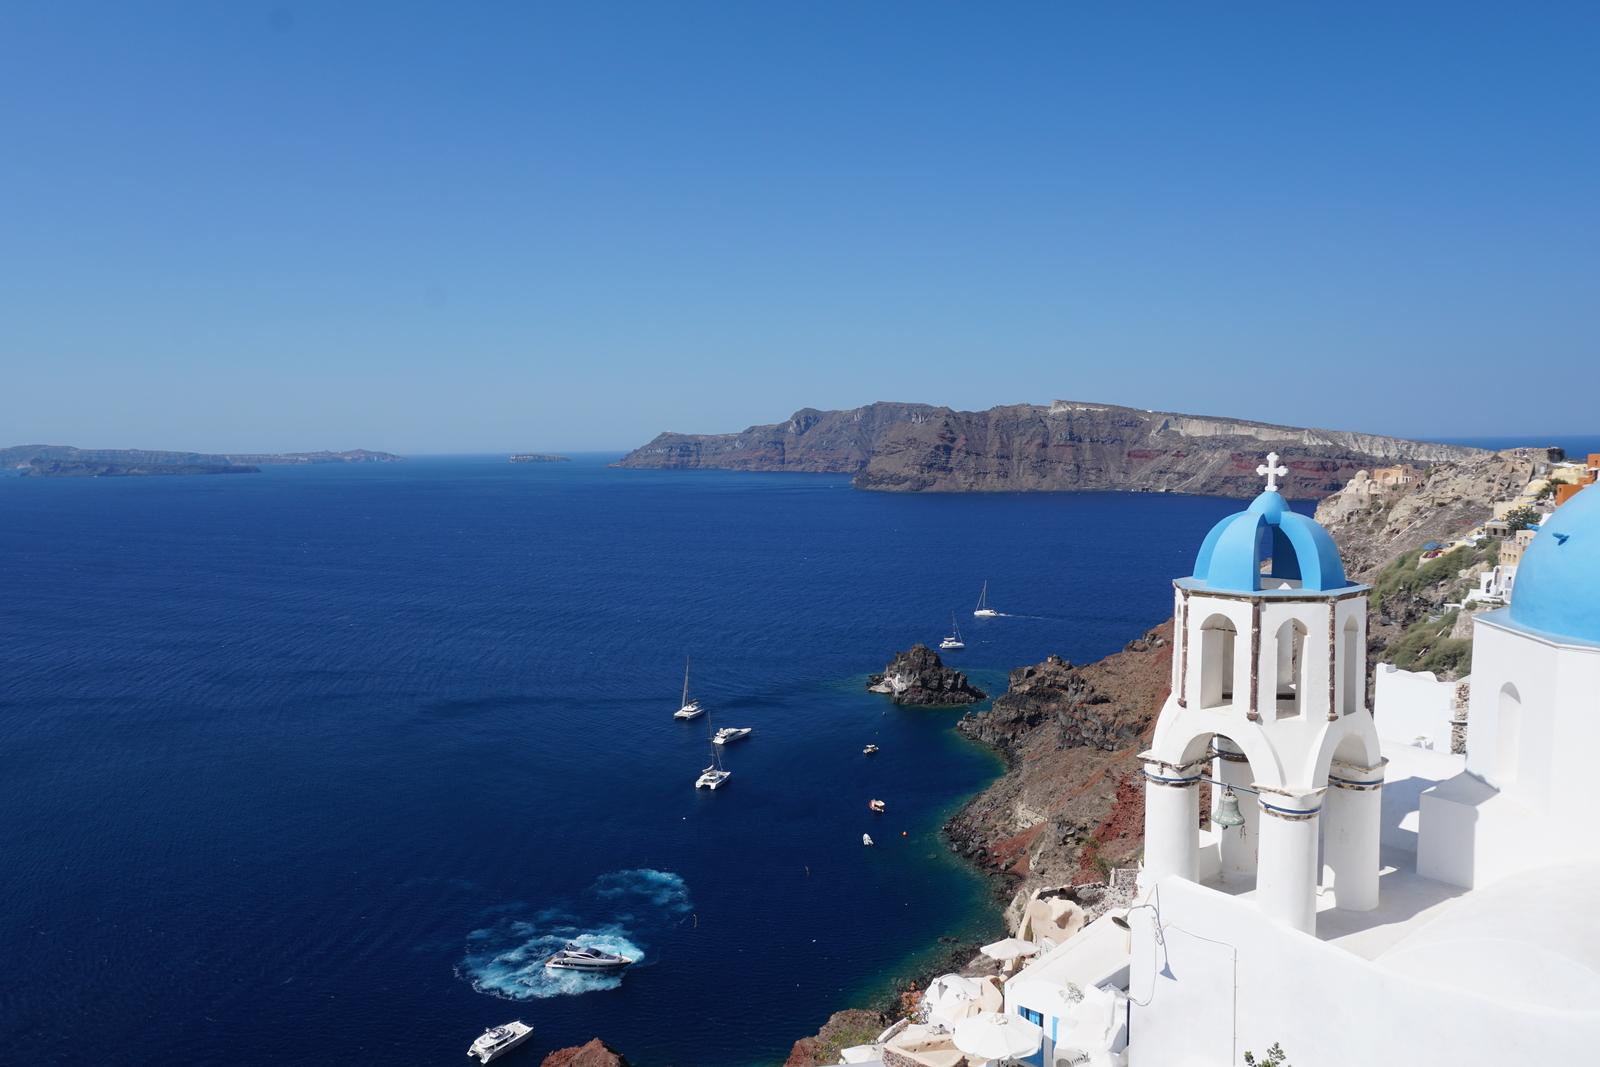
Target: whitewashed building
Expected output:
[1360,899]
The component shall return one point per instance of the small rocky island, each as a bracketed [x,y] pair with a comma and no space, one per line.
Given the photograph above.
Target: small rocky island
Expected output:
[539,457]
[920,677]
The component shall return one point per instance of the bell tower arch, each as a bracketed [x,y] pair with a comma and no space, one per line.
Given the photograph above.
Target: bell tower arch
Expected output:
[1268,697]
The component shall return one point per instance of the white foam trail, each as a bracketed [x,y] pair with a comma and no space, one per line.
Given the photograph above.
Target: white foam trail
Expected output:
[507,959]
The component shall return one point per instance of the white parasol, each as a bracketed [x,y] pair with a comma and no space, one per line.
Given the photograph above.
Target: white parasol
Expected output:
[1010,949]
[998,1037]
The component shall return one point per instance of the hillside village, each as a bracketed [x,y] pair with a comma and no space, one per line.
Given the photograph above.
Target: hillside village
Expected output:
[1414,561]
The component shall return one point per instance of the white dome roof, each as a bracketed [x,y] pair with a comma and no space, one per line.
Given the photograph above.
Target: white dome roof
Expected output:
[1529,939]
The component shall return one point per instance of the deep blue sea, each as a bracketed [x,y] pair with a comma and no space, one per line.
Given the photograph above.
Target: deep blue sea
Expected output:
[313,766]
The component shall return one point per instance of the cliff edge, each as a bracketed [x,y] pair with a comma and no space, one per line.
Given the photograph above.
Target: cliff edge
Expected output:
[1067,445]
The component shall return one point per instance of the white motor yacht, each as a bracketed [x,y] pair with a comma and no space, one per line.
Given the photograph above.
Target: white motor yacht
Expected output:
[984,610]
[730,733]
[579,958]
[498,1039]
[954,640]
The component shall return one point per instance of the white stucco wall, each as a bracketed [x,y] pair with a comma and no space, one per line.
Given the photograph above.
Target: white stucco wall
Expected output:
[1203,1001]
[1408,705]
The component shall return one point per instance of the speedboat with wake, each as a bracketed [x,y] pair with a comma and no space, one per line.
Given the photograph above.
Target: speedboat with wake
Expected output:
[580,958]
[730,733]
[498,1039]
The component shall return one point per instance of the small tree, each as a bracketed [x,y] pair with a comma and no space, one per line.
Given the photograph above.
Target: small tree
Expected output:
[1273,1058]
[1523,518]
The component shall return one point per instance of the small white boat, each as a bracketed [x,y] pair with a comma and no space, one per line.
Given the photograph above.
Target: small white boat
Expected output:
[984,610]
[954,640]
[498,1039]
[870,750]
[730,733]
[579,958]
[713,776]
[878,806]
[691,708]
[866,839]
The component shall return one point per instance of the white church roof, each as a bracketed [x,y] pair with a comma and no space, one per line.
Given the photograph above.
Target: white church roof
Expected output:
[1530,939]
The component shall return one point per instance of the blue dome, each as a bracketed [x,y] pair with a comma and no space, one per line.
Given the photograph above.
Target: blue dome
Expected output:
[1300,549]
[1558,580]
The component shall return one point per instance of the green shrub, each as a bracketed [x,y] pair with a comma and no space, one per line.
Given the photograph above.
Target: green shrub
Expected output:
[1426,647]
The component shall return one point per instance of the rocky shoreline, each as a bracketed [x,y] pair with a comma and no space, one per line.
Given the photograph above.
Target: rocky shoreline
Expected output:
[1068,812]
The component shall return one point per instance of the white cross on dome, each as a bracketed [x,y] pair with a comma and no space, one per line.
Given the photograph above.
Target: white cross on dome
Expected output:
[1272,471]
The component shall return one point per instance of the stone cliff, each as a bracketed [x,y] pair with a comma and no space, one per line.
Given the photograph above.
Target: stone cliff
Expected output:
[919,676]
[1071,807]
[1068,445]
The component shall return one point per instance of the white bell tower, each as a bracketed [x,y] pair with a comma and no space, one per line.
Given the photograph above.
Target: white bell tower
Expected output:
[1269,695]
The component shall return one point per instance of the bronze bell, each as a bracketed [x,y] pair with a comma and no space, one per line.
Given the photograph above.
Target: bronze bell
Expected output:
[1228,814]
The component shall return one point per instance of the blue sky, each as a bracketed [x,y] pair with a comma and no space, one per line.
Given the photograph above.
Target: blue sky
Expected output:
[461,227]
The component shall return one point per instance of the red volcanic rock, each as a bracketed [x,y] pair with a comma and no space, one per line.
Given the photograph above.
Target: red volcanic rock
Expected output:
[595,1054]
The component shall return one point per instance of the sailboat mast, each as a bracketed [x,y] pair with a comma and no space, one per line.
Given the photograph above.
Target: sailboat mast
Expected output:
[685,680]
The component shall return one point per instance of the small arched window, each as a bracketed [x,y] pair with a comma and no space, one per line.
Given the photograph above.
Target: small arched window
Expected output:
[1217,636]
[1507,735]
[1291,668]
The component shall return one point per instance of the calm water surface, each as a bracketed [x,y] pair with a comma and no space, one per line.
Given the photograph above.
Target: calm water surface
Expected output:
[314,766]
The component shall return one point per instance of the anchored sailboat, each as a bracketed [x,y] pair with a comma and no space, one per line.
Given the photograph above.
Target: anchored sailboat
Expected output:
[984,610]
[691,708]
[713,776]
[954,640]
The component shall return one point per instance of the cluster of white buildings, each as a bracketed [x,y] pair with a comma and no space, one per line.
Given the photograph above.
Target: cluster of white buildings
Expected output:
[1360,897]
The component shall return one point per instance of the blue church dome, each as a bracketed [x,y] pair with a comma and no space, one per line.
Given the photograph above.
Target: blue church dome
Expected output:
[1558,580]
[1300,549]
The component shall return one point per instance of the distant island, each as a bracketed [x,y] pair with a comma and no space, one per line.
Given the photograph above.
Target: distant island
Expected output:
[64,461]
[1068,445]
[539,457]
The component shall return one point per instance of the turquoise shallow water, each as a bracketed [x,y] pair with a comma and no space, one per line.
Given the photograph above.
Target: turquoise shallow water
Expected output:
[312,766]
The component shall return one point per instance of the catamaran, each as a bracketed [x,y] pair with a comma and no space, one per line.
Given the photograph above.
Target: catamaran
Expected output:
[713,776]
[984,610]
[691,708]
[954,640]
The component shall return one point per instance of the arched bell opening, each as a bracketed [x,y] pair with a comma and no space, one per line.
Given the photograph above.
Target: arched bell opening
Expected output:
[1290,688]
[1237,844]
[1217,643]
[1353,681]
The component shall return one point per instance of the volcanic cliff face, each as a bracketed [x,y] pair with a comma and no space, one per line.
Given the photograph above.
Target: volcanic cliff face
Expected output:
[1072,804]
[921,448]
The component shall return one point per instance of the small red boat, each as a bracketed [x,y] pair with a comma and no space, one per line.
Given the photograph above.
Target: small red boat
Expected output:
[877,805]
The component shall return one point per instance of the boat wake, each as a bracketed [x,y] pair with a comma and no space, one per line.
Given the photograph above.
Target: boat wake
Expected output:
[507,959]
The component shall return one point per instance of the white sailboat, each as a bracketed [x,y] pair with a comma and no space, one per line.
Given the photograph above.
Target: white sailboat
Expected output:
[691,708]
[954,640]
[713,776]
[984,610]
